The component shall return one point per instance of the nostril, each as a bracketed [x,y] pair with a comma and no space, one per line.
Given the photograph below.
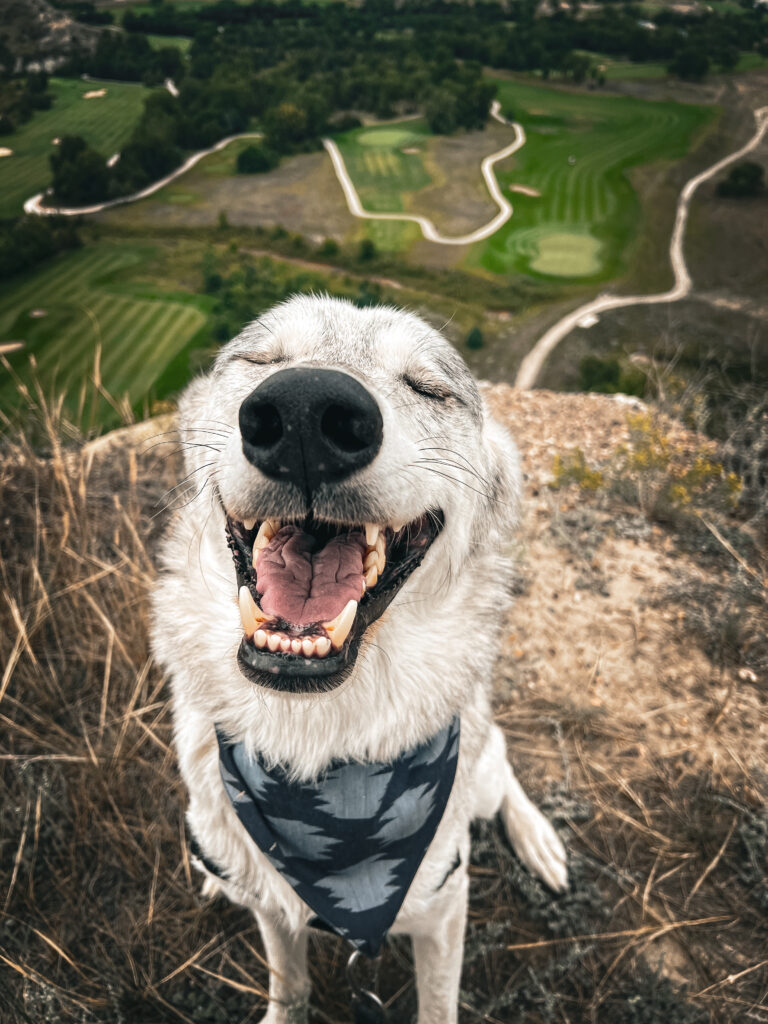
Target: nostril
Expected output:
[349,430]
[261,426]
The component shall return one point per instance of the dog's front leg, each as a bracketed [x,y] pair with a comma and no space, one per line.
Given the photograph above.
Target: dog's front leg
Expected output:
[438,951]
[289,984]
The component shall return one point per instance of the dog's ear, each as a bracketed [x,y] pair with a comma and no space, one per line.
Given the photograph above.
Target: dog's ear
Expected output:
[503,476]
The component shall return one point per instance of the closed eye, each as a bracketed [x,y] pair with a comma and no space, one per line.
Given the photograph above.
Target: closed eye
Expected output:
[262,360]
[428,387]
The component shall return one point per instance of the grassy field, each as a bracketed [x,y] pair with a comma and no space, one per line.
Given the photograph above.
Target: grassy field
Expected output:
[182,43]
[579,149]
[105,122]
[84,301]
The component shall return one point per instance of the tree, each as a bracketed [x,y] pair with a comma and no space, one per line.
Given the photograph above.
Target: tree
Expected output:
[80,174]
[256,160]
[690,64]
[440,111]
[745,180]
[367,250]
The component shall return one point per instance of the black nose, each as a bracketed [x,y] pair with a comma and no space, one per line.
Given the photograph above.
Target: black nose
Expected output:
[310,427]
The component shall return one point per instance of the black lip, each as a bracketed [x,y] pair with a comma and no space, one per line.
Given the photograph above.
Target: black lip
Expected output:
[290,673]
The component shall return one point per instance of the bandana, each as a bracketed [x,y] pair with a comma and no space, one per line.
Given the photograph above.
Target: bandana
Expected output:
[350,844]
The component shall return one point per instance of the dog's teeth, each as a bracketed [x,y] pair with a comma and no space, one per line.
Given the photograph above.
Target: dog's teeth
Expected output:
[381,557]
[371,533]
[251,615]
[273,641]
[296,646]
[285,644]
[265,535]
[249,524]
[274,525]
[322,646]
[340,626]
[307,647]
[398,525]
[260,638]
[371,558]
[372,577]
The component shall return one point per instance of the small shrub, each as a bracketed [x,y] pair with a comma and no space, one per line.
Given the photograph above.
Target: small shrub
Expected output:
[475,339]
[572,468]
[745,181]
[367,250]
[328,247]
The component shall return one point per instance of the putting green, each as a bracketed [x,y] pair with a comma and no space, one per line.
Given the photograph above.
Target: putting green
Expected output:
[387,138]
[567,254]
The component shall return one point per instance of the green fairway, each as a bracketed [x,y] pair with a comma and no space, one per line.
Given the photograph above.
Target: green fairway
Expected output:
[386,177]
[579,149]
[105,122]
[83,301]
[181,43]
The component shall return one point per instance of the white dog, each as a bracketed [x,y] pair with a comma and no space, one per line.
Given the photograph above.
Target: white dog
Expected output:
[329,612]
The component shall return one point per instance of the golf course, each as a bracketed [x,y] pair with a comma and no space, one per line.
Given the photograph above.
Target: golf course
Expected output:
[105,121]
[575,209]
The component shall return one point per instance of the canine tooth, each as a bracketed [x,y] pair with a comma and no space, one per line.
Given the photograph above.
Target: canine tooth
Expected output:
[285,644]
[249,523]
[260,638]
[371,533]
[296,646]
[340,626]
[273,641]
[381,557]
[274,525]
[398,525]
[264,536]
[371,558]
[322,646]
[307,647]
[372,577]
[251,615]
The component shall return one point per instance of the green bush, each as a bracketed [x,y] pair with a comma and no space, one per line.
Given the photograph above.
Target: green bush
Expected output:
[256,160]
[474,339]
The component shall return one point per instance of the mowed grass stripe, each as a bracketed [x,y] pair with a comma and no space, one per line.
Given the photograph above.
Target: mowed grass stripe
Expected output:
[164,344]
[139,336]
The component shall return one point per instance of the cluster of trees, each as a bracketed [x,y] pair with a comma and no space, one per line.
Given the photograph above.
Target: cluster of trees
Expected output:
[243,288]
[295,68]
[27,241]
[20,97]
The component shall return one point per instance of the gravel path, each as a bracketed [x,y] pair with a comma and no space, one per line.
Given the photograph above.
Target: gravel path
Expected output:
[428,229]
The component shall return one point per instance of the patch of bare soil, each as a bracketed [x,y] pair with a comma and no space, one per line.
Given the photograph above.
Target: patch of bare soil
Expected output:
[302,195]
[457,200]
[631,690]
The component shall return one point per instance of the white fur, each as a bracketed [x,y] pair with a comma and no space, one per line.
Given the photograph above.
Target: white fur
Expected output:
[429,657]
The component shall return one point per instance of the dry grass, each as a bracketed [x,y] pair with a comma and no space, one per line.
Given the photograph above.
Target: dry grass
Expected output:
[666,919]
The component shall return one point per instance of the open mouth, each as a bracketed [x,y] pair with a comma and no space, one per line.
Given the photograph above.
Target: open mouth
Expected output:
[309,590]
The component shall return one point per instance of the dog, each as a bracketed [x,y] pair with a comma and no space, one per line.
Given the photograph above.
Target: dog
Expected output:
[329,609]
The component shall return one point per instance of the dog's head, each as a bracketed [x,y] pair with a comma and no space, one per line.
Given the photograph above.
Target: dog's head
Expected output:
[355,457]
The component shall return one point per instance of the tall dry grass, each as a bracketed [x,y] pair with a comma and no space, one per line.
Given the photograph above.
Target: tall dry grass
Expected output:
[100,917]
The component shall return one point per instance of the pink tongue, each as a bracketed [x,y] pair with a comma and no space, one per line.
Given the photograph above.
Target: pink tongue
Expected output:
[301,585]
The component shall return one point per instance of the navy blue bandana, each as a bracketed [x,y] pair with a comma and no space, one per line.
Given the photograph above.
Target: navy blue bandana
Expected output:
[351,843]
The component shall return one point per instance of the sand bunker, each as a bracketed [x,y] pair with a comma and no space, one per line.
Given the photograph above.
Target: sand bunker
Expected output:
[4,151]
[525,190]
[94,94]
[410,149]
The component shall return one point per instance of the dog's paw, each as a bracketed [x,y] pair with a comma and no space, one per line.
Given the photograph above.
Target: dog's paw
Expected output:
[538,846]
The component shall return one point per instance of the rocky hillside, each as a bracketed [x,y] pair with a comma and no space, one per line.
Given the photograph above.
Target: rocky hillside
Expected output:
[36,36]
[631,685]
